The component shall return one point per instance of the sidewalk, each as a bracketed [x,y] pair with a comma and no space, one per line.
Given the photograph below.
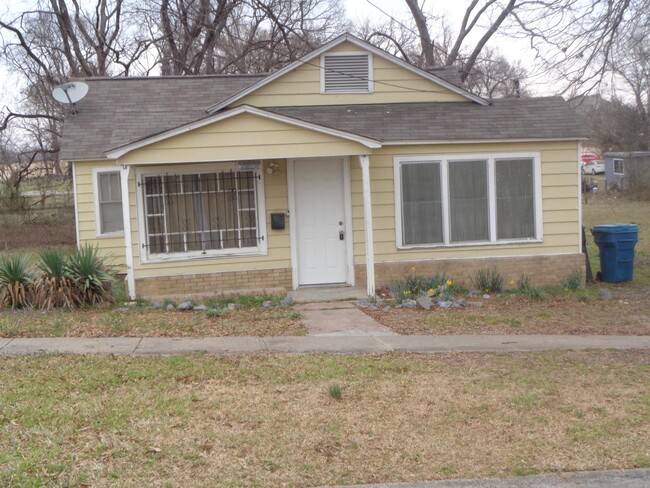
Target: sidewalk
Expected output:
[154,346]
[629,478]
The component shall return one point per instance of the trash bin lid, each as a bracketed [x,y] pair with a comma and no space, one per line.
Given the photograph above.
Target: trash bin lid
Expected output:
[615,228]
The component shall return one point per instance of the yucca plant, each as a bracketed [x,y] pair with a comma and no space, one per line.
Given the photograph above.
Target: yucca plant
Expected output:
[92,275]
[55,288]
[16,281]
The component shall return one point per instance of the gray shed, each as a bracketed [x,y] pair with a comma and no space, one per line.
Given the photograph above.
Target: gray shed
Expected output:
[622,168]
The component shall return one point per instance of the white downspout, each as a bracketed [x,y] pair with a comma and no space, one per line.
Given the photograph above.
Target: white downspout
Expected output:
[364,162]
[126,215]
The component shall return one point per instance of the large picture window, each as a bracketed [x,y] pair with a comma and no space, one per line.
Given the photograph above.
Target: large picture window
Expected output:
[456,199]
[202,213]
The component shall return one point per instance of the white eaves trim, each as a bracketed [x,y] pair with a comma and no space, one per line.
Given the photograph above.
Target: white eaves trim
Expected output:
[121,151]
[361,44]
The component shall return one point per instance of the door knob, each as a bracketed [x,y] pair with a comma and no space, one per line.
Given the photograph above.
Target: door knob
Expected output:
[341,235]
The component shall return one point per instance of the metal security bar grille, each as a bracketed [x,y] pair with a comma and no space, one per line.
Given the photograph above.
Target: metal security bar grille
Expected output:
[201,212]
[346,74]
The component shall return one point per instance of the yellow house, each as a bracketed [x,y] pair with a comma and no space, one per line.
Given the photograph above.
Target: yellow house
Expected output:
[347,167]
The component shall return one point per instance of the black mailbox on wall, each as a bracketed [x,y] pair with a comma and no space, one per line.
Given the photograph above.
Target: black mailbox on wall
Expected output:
[277,221]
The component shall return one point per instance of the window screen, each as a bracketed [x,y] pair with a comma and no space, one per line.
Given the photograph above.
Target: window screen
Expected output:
[421,203]
[110,202]
[468,201]
[515,192]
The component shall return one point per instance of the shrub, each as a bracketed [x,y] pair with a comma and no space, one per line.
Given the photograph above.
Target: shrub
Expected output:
[16,281]
[489,280]
[55,288]
[92,275]
[573,280]
[525,288]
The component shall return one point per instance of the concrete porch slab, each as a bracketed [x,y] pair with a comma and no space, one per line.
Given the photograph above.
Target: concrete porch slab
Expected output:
[327,294]
[70,345]
[171,346]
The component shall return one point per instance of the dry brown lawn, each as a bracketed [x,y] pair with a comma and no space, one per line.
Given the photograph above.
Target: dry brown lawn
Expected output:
[269,421]
[581,313]
[147,322]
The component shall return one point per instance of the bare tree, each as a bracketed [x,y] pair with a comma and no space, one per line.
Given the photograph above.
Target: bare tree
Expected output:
[493,76]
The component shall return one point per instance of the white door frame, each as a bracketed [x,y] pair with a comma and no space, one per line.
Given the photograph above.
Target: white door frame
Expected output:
[347,206]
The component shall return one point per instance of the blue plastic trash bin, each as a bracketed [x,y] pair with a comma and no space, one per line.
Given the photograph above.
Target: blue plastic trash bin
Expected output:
[616,248]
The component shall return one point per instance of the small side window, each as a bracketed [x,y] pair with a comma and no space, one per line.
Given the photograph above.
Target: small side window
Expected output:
[619,168]
[109,198]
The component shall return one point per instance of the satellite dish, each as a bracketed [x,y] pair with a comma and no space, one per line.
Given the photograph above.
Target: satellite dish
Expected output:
[70,93]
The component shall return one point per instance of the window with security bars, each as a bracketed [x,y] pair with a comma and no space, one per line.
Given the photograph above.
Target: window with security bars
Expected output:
[201,212]
[349,73]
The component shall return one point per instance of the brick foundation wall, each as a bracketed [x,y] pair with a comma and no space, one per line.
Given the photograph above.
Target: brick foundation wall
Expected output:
[263,281]
[542,270]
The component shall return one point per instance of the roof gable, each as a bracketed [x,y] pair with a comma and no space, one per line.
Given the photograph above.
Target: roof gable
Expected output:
[429,83]
[246,130]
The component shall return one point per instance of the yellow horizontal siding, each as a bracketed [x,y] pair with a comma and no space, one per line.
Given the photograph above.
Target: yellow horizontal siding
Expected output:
[279,256]
[224,141]
[560,202]
[111,247]
[392,84]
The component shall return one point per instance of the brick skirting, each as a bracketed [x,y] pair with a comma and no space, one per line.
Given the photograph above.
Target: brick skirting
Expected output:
[541,270]
[214,284]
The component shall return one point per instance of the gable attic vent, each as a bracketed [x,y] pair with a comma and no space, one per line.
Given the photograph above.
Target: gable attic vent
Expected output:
[349,73]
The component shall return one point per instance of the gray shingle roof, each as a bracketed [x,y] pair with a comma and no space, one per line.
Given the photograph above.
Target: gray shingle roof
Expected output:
[117,111]
[120,110]
[510,118]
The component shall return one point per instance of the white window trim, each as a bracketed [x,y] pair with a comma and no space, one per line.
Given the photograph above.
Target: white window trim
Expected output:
[371,78]
[98,215]
[444,178]
[614,166]
[147,258]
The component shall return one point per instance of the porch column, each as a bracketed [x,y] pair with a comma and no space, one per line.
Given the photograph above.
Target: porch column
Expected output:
[364,162]
[126,216]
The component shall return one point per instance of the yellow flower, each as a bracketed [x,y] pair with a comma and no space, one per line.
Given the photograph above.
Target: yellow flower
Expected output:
[449,283]
[413,269]
[512,282]
[407,292]
[431,291]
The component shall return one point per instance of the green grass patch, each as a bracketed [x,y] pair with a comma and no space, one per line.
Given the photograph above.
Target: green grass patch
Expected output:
[188,421]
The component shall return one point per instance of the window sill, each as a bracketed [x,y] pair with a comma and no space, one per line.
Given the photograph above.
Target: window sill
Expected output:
[178,257]
[110,235]
[469,244]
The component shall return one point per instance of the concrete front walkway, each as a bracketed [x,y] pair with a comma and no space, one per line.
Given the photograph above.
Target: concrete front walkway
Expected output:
[139,346]
[339,319]
[628,478]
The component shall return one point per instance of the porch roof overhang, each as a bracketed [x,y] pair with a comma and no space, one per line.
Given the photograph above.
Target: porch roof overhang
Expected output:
[121,151]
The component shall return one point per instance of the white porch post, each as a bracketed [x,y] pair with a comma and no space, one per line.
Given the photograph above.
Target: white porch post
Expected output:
[126,216]
[364,162]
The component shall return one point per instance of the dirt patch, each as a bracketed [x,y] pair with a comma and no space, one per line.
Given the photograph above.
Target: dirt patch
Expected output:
[37,229]
[627,314]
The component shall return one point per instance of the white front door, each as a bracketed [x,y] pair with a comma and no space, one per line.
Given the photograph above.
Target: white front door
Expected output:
[320,221]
